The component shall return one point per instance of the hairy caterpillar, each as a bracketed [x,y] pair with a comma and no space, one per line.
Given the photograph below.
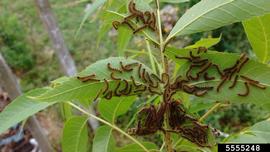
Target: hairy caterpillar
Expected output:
[139,70]
[108,96]
[113,69]
[125,67]
[247,90]
[141,89]
[234,82]
[106,86]
[88,78]
[206,77]
[113,77]
[134,83]
[116,89]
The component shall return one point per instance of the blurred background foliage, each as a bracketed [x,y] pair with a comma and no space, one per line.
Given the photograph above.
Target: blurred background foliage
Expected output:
[25,45]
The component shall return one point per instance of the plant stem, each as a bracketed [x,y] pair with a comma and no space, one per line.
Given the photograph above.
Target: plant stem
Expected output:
[211,110]
[161,43]
[109,124]
[167,136]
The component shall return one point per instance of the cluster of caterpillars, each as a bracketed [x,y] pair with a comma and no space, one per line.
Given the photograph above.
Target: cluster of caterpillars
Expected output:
[125,87]
[147,18]
[151,120]
[228,74]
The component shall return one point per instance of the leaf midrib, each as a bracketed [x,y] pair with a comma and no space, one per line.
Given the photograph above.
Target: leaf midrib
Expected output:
[78,137]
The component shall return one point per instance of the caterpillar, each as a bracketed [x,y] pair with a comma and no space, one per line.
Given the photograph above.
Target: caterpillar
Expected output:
[188,88]
[258,85]
[200,61]
[140,90]
[113,69]
[248,79]
[204,88]
[205,67]
[88,78]
[143,75]
[153,91]
[128,24]
[134,83]
[218,69]
[206,77]
[108,96]
[192,56]
[148,78]
[183,57]
[242,64]
[139,70]
[165,77]
[99,92]
[106,86]
[113,77]
[128,90]
[125,67]
[221,83]
[189,70]
[200,92]
[115,24]
[234,82]
[155,77]
[134,12]
[247,90]
[126,86]
[201,49]
[116,89]
[253,82]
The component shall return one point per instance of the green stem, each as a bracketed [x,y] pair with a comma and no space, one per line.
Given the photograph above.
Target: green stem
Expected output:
[111,125]
[167,136]
[211,110]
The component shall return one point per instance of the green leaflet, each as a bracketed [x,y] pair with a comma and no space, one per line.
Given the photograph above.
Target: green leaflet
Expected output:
[21,108]
[258,33]
[75,135]
[252,69]
[258,133]
[115,107]
[211,14]
[103,140]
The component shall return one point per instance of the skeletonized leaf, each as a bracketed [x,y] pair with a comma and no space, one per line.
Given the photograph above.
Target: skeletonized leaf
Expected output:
[251,69]
[75,135]
[258,133]
[103,140]
[115,107]
[211,14]
[74,89]
[21,108]
[258,33]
